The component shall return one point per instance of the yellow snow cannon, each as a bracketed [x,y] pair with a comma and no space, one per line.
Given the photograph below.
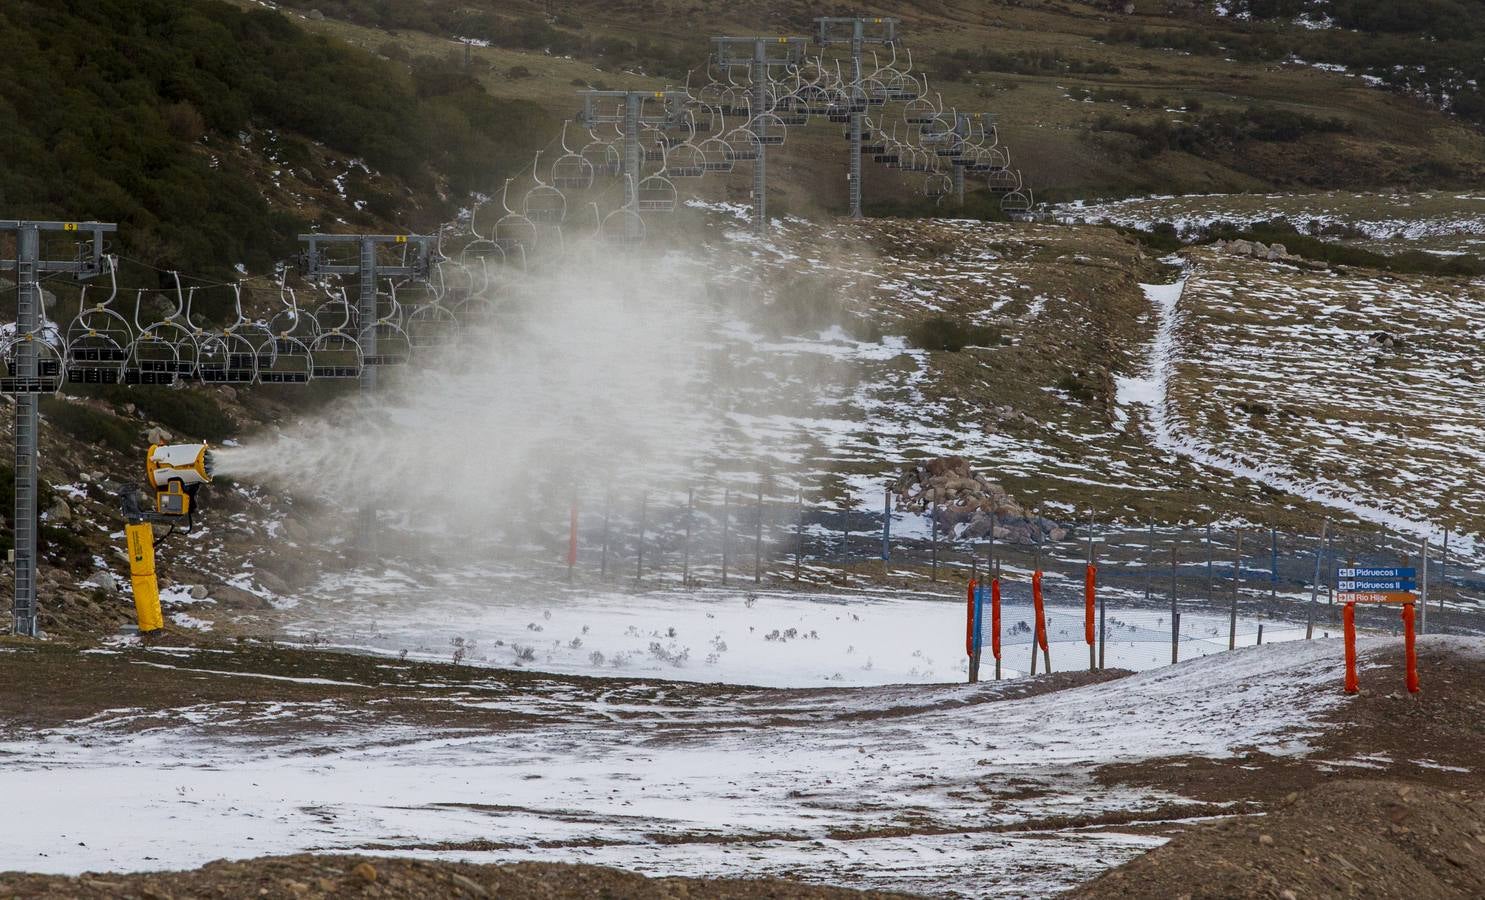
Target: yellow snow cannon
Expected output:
[175,472]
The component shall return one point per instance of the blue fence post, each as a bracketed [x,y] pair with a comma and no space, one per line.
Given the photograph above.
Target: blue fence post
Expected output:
[887,524]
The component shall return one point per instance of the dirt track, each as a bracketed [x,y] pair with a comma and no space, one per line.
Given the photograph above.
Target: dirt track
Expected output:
[1389,794]
[309,877]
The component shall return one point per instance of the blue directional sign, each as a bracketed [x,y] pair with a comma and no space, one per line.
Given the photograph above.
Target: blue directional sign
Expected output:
[1383,573]
[1377,584]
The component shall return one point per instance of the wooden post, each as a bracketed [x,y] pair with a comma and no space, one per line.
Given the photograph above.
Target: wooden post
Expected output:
[1175,615]
[726,529]
[1150,563]
[686,553]
[1273,566]
[1315,585]
[1423,595]
[1260,634]
[758,540]
[639,556]
[1210,554]
[1330,569]
[572,539]
[933,541]
[799,534]
[1237,577]
[1444,563]
[845,535]
[886,527]
[603,559]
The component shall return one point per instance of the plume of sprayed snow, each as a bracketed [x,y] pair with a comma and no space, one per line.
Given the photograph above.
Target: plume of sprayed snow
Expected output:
[590,375]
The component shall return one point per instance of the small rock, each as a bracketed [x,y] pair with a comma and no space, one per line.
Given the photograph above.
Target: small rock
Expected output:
[365,871]
[1287,894]
[199,592]
[158,435]
[469,884]
[105,580]
[1266,840]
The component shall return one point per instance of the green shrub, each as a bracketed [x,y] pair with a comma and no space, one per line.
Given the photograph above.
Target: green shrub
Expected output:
[943,333]
[90,425]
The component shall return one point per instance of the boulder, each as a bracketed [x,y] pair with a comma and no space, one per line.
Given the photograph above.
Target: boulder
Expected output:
[1259,250]
[104,580]
[158,435]
[58,512]
[1277,252]
[199,592]
[1240,248]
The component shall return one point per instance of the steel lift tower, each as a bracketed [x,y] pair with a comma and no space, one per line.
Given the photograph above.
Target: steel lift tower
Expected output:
[368,270]
[761,55]
[626,109]
[855,34]
[29,377]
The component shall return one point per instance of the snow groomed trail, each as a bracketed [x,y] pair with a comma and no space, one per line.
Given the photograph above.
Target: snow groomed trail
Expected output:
[1153,392]
[933,789]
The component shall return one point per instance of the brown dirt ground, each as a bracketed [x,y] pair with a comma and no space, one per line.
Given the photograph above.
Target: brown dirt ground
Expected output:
[1351,838]
[307,876]
[1371,812]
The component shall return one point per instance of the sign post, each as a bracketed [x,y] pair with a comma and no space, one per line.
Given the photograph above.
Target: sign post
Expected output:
[1378,585]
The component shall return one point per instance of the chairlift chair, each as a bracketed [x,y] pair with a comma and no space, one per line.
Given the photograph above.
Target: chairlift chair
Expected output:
[97,340]
[393,346]
[744,144]
[717,155]
[335,354]
[603,157]
[1017,202]
[769,129]
[656,193]
[431,326]
[513,232]
[570,171]
[1003,180]
[50,352]
[544,204]
[919,111]
[623,226]
[685,160]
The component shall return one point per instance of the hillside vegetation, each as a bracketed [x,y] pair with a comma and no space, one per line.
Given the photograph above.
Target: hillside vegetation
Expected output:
[212,134]
[1093,102]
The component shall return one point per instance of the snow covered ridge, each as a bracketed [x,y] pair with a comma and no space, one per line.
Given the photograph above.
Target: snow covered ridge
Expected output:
[1281,370]
[578,773]
[1436,218]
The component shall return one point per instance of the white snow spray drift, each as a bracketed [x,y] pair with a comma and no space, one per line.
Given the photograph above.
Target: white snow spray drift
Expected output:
[590,377]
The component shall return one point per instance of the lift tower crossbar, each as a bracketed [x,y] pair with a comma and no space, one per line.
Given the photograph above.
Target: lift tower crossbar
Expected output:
[761,55]
[855,34]
[417,266]
[28,383]
[626,109]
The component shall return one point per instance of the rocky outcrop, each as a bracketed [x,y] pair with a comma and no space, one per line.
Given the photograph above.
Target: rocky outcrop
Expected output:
[968,505]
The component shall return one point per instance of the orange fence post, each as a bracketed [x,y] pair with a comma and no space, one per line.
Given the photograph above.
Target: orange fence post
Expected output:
[1348,617]
[1041,620]
[1410,647]
[995,622]
[1090,591]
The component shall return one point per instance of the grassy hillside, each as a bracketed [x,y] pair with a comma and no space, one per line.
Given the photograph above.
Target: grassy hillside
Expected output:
[212,134]
[1092,101]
